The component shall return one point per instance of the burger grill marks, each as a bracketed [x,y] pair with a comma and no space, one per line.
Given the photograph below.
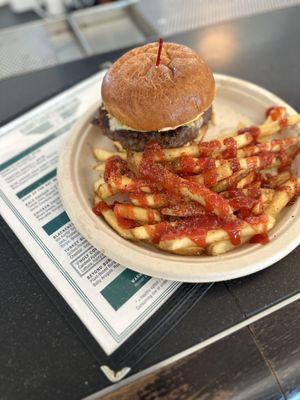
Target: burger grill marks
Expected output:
[137,141]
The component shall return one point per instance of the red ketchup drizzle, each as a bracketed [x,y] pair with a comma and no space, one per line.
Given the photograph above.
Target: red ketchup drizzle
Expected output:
[99,208]
[261,238]
[283,123]
[235,165]
[186,209]
[125,223]
[190,165]
[159,174]
[253,131]
[231,148]
[153,152]
[196,229]
[150,216]
[240,202]
[115,167]
[210,177]
[207,149]
[141,199]
[266,159]
[275,112]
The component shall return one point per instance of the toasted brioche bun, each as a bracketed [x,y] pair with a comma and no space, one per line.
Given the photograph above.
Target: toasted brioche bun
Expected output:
[149,98]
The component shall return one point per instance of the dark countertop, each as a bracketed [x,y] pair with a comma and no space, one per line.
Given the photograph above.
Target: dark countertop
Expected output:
[47,353]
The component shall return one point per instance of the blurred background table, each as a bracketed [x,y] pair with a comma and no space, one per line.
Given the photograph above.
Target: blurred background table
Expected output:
[41,355]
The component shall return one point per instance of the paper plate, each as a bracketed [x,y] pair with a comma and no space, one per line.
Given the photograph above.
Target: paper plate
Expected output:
[236,101]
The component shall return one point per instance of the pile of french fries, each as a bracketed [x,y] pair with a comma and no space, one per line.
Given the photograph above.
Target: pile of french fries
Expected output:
[203,198]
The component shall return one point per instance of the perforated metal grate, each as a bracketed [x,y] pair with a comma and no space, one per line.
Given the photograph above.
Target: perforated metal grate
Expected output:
[172,16]
[23,50]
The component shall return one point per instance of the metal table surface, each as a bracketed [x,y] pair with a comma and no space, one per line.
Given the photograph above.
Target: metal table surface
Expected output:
[42,356]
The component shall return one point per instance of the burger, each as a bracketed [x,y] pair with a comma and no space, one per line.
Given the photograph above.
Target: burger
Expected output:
[166,98]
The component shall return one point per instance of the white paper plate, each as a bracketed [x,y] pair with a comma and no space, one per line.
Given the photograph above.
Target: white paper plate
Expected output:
[236,101]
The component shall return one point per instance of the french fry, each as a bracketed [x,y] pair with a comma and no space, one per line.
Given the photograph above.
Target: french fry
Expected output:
[183,246]
[122,184]
[279,201]
[118,146]
[98,183]
[282,196]
[154,200]
[247,229]
[277,180]
[230,181]
[211,177]
[273,146]
[215,147]
[185,209]
[139,214]
[275,114]
[96,200]
[193,165]
[246,180]
[100,167]
[111,219]
[263,202]
[175,184]
[103,155]
[105,190]
[223,246]
[267,192]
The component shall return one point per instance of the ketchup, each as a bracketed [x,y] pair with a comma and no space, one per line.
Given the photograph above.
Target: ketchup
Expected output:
[126,223]
[275,112]
[99,208]
[231,148]
[158,173]
[190,165]
[196,228]
[115,167]
[261,238]
[207,149]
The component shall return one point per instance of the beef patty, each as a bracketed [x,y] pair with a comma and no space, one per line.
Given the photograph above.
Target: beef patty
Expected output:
[137,141]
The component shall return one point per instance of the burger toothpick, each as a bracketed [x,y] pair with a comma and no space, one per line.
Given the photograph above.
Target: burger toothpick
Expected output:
[160,45]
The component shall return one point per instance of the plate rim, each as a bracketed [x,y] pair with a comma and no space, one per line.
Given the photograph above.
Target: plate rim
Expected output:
[149,262]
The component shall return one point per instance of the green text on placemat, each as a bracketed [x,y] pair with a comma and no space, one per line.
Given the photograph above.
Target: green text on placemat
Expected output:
[124,287]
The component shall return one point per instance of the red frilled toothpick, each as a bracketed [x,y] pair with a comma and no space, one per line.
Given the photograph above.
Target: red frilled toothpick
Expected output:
[160,44]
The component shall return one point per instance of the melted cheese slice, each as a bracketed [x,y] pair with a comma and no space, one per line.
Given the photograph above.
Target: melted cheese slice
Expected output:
[116,125]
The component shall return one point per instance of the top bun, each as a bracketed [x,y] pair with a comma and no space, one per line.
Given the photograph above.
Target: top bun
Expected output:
[149,98]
